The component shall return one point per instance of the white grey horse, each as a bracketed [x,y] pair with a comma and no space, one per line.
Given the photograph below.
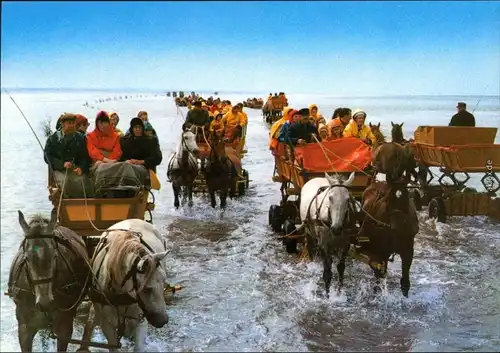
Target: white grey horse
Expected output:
[326,211]
[130,280]
[183,166]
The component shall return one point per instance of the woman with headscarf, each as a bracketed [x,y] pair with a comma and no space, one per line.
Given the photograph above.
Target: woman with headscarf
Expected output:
[276,127]
[357,128]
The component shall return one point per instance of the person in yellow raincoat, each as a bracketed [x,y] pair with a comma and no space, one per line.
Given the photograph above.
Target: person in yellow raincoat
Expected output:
[315,114]
[276,127]
[227,107]
[357,128]
[216,126]
[245,116]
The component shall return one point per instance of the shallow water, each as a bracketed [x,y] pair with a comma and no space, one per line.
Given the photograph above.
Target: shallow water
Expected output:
[242,291]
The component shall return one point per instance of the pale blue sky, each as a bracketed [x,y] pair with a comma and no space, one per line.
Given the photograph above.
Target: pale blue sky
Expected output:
[340,48]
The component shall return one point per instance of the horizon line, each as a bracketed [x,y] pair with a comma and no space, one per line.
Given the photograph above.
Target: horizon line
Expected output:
[162,90]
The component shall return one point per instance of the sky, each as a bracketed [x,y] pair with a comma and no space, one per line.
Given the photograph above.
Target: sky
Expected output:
[341,48]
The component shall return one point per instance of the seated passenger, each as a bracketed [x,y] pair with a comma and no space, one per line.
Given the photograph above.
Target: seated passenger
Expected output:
[103,143]
[82,124]
[216,125]
[357,128]
[197,116]
[315,114]
[293,117]
[145,118]
[140,149]
[336,113]
[323,132]
[66,153]
[335,129]
[301,131]
[342,120]
[276,128]
[245,115]
[115,119]
[233,123]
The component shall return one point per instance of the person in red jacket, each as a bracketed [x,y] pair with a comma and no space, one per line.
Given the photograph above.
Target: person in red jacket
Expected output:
[103,143]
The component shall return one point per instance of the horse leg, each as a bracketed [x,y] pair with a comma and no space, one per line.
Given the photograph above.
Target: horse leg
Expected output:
[189,189]
[64,327]
[341,267]
[26,334]
[406,261]
[141,331]
[211,192]
[327,273]
[223,197]
[176,194]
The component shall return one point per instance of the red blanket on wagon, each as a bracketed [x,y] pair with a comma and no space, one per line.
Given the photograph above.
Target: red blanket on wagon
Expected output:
[346,155]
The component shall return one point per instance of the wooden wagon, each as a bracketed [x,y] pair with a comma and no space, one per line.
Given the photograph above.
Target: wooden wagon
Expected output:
[294,167]
[457,152]
[89,217]
[273,109]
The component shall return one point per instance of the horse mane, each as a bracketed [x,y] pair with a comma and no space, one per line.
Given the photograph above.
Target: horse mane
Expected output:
[38,219]
[122,246]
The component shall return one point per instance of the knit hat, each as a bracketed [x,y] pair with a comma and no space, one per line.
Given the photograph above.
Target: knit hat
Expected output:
[358,112]
[136,122]
[102,116]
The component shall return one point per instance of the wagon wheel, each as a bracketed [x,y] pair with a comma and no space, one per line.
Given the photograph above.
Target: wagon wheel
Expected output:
[417,200]
[275,218]
[437,209]
[290,244]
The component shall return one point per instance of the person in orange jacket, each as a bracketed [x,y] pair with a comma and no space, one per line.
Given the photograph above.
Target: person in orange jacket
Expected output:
[103,143]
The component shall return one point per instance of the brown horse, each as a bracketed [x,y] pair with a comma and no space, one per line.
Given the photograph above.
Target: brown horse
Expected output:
[390,222]
[394,158]
[220,173]
[48,279]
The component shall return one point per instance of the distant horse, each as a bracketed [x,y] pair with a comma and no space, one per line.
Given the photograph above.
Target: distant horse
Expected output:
[328,214]
[394,158]
[130,279]
[391,223]
[219,172]
[379,136]
[183,166]
[47,280]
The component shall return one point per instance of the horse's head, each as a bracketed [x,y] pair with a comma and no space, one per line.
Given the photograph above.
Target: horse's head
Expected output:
[375,128]
[188,141]
[397,132]
[40,253]
[338,201]
[151,278]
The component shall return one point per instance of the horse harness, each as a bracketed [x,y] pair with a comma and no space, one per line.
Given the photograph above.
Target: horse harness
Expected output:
[14,290]
[123,299]
[350,211]
[179,158]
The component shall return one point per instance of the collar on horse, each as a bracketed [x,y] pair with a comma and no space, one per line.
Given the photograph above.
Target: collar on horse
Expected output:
[123,299]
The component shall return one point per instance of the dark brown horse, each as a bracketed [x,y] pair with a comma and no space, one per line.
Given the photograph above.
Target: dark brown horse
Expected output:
[390,222]
[48,279]
[394,158]
[219,172]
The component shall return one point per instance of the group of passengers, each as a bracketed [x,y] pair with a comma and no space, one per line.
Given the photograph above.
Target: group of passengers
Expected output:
[217,117]
[307,125]
[275,102]
[88,164]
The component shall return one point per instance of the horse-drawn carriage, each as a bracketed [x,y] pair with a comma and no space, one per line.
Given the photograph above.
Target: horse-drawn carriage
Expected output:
[457,152]
[235,151]
[327,216]
[253,103]
[67,274]
[273,109]
[294,167]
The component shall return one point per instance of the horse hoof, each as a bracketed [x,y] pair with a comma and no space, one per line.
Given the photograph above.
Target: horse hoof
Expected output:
[377,289]
[405,292]
[190,204]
